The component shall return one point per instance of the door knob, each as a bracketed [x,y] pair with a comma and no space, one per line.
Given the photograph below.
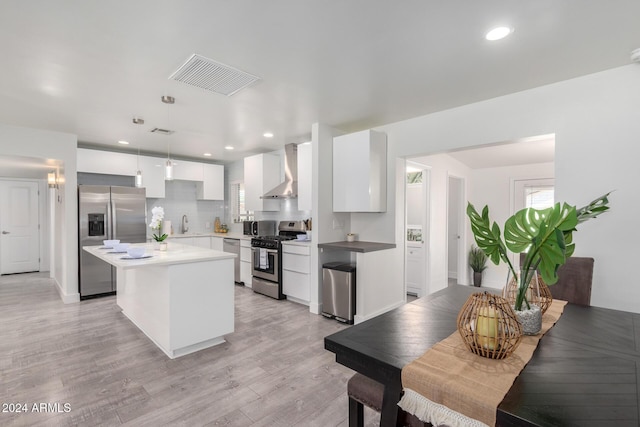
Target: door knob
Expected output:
[5,232]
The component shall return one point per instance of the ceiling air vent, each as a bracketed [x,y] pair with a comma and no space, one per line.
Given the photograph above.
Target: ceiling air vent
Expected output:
[162,131]
[208,74]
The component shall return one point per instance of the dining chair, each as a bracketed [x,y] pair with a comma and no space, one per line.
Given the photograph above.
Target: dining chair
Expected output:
[362,390]
[574,280]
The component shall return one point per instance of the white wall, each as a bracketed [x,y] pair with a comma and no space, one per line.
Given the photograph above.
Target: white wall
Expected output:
[16,141]
[596,120]
[492,187]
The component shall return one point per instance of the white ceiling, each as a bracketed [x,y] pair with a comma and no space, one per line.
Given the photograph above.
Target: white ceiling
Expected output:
[522,152]
[88,67]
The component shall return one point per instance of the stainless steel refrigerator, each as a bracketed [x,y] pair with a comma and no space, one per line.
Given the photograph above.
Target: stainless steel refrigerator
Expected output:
[107,212]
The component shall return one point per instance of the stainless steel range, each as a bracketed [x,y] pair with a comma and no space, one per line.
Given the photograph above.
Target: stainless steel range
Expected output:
[266,259]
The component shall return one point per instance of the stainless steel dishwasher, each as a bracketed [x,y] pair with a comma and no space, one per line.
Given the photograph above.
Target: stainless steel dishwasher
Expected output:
[233,246]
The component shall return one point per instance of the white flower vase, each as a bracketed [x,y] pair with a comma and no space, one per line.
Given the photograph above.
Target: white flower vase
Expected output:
[162,246]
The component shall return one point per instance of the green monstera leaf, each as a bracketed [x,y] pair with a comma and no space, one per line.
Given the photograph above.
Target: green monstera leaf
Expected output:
[542,234]
[488,238]
[545,235]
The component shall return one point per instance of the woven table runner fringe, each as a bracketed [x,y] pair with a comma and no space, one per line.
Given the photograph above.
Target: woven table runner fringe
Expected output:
[434,413]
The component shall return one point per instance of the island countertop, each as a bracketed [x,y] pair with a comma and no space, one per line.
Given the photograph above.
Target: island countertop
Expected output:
[176,254]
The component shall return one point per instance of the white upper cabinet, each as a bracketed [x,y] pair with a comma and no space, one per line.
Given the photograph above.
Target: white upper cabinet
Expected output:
[187,171]
[152,169]
[305,166]
[261,174]
[106,162]
[212,185]
[360,172]
[209,178]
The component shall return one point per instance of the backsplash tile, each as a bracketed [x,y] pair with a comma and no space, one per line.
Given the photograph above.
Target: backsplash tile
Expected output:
[180,199]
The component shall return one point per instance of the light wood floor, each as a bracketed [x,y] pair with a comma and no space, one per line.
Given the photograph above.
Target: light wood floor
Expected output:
[273,371]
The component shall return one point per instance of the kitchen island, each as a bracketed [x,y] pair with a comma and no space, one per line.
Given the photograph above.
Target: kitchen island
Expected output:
[182,298]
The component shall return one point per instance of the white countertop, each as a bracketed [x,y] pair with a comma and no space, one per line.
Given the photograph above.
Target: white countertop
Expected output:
[176,254]
[207,234]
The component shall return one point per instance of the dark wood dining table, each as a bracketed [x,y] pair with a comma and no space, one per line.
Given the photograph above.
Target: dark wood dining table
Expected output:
[583,373]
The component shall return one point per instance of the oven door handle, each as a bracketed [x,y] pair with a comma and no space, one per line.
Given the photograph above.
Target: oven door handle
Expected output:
[273,251]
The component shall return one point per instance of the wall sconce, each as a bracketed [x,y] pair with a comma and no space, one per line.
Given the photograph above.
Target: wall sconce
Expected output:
[52,180]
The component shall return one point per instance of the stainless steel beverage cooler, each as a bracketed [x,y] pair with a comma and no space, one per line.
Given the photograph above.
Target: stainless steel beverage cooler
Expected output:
[339,291]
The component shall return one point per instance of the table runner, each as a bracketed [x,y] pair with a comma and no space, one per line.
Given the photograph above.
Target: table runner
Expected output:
[449,385]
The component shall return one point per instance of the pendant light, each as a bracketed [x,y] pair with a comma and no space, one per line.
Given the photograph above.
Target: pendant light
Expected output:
[168,169]
[138,121]
[139,172]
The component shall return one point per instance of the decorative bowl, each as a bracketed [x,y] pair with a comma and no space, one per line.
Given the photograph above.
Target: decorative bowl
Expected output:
[110,243]
[121,247]
[135,251]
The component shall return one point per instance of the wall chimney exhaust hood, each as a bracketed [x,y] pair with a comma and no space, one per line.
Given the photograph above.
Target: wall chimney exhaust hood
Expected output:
[289,188]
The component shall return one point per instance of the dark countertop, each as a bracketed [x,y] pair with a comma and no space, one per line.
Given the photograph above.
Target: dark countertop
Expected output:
[357,246]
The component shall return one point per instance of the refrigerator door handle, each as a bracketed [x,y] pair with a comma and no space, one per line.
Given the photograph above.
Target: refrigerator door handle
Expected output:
[114,228]
[108,222]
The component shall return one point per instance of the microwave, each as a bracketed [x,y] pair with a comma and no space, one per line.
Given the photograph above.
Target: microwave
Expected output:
[259,228]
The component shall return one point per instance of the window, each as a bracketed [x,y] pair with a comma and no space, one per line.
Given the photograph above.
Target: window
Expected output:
[414,177]
[539,197]
[238,210]
[533,193]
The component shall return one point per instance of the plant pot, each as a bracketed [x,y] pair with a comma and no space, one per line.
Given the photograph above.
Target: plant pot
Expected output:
[162,246]
[531,320]
[477,278]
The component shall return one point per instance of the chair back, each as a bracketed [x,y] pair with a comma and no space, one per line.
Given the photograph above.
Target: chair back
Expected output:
[574,280]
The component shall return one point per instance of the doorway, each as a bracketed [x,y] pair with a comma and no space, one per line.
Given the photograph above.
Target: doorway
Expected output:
[416,228]
[19,226]
[456,260]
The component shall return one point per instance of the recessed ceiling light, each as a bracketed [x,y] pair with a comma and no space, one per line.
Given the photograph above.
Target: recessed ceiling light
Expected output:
[268,135]
[498,33]
[228,147]
[207,154]
[123,142]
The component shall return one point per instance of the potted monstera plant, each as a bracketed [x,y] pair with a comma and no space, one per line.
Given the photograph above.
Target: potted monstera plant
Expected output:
[543,235]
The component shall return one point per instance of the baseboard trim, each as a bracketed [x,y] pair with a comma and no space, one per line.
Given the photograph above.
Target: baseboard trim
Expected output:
[359,318]
[67,299]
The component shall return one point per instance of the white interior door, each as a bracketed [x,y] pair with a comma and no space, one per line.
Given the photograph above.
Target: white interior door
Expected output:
[19,235]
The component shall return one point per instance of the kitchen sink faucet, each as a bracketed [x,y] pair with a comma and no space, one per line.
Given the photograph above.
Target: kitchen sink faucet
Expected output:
[185,224]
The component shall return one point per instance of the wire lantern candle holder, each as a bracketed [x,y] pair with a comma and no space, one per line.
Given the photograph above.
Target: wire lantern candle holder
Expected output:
[488,326]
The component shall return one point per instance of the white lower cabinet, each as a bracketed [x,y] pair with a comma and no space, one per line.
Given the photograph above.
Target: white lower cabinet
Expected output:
[415,268]
[216,243]
[184,240]
[296,268]
[202,242]
[245,262]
